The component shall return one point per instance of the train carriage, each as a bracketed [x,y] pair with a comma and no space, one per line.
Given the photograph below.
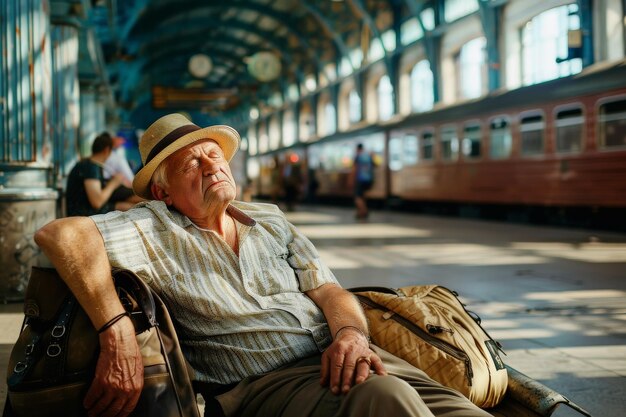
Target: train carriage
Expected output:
[560,144]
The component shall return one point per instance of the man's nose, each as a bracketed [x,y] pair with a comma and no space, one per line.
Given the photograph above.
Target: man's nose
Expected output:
[209,167]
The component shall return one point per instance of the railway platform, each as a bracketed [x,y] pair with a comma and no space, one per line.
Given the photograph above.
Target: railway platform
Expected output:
[554,297]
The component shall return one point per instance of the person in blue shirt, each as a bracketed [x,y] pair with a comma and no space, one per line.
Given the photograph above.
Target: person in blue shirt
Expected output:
[363,174]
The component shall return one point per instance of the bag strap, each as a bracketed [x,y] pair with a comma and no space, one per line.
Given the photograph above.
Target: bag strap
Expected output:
[385,290]
[141,293]
[56,346]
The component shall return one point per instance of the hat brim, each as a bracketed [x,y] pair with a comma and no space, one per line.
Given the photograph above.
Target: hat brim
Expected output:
[225,136]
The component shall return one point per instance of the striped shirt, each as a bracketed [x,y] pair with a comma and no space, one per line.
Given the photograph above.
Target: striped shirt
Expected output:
[235,316]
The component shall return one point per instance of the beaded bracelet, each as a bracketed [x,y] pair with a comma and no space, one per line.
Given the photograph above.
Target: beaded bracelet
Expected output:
[113,321]
[355,328]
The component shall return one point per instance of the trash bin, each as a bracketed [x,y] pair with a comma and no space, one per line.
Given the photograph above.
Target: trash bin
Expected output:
[22,212]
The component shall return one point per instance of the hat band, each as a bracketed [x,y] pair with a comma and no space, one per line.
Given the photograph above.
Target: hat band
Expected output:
[169,139]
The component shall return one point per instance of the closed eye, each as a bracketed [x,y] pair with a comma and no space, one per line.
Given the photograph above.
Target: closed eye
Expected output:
[190,165]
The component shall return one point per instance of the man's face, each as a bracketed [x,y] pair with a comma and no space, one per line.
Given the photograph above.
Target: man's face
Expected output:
[199,179]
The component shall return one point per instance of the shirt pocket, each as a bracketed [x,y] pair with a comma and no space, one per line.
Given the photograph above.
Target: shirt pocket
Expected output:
[277,276]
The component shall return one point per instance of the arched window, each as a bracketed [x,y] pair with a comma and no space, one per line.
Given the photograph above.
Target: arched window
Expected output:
[385,98]
[274,133]
[544,41]
[307,124]
[472,69]
[354,103]
[289,128]
[330,119]
[263,138]
[456,9]
[252,141]
[422,95]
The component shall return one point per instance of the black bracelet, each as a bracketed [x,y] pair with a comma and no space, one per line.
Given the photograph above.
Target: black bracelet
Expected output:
[113,321]
[355,328]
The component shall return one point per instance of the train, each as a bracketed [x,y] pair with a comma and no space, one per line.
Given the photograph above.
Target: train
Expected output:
[555,149]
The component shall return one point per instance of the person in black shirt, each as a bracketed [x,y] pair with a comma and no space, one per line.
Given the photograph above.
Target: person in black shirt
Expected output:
[87,192]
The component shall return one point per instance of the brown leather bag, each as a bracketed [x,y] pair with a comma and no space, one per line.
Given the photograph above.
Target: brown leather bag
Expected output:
[53,361]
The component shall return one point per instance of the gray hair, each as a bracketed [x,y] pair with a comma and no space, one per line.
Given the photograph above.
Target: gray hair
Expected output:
[159,177]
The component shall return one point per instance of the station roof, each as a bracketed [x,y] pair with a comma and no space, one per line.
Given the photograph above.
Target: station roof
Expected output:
[255,48]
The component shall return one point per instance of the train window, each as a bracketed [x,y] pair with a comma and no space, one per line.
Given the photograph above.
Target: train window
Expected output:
[449,144]
[411,150]
[612,124]
[395,153]
[569,130]
[531,134]
[428,145]
[500,138]
[471,141]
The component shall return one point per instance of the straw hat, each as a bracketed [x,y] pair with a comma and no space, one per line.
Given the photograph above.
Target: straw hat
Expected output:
[171,133]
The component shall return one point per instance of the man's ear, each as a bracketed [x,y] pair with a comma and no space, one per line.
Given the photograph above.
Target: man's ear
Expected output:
[160,194]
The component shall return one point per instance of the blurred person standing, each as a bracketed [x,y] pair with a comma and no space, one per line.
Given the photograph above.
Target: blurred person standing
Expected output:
[292,180]
[363,178]
[117,162]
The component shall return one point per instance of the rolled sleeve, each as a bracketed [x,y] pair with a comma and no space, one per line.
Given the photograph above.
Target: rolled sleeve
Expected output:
[122,238]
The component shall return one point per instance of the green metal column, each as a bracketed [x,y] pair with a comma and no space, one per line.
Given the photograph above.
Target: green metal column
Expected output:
[490,16]
[26,151]
[585,8]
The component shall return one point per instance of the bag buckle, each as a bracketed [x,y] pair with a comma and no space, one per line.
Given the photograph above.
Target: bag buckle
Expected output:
[53,350]
[58,331]
[20,367]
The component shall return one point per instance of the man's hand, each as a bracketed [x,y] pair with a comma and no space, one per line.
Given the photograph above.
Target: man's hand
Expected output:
[348,361]
[117,384]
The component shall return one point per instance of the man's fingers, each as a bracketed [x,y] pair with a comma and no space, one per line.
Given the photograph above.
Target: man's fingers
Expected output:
[363,367]
[377,365]
[100,404]
[324,372]
[348,375]
[336,369]
[93,394]
[129,406]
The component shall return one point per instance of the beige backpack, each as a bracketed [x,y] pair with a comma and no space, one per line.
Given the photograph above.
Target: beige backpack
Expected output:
[429,327]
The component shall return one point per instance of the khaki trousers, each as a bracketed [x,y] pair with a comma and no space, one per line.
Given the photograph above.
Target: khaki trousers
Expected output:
[295,391]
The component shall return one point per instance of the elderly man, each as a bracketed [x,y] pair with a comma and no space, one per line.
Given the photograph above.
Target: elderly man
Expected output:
[264,324]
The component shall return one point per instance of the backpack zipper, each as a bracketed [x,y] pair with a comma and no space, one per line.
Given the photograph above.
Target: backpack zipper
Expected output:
[476,319]
[424,335]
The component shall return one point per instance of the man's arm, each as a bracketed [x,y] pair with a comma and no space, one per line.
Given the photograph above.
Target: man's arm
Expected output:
[97,195]
[342,365]
[76,249]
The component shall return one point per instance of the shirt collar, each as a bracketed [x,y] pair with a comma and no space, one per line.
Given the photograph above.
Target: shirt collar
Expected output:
[236,213]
